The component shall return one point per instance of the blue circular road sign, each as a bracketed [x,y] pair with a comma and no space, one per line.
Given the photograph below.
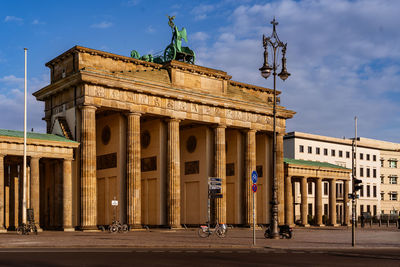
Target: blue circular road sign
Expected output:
[254,177]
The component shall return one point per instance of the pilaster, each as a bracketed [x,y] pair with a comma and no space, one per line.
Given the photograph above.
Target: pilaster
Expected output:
[35,186]
[2,226]
[88,169]
[346,204]
[220,172]
[289,220]
[250,167]
[133,171]
[280,178]
[332,202]
[303,206]
[67,196]
[318,201]
[174,179]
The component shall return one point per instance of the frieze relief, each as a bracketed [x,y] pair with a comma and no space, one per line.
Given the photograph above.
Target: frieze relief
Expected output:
[180,105]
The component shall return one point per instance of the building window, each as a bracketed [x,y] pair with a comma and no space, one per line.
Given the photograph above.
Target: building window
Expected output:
[325,152]
[374,157]
[393,196]
[382,162]
[301,149]
[393,179]
[347,154]
[374,210]
[368,172]
[333,152]
[367,156]
[310,209]
[368,208]
[317,151]
[374,191]
[361,208]
[309,188]
[325,209]
[382,179]
[361,156]
[325,189]
[392,163]
[382,196]
[340,154]
[362,191]
[361,172]
[368,191]
[309,149]
[374,173]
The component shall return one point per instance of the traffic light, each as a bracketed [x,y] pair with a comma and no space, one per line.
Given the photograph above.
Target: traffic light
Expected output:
[357,184]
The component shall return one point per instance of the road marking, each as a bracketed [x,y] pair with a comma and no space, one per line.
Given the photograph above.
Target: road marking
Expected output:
[158,251]
[226,251]
[243,251]
[191,251]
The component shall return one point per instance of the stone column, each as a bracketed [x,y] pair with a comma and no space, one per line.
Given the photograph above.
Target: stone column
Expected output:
[88,169]
[174,178]
[35,186]
[280,177]
[220,172]
[133,176]
[288,201]
[67,196]
[303,206]
[346,208]
[250,167]
[332,202]
[318,201]
[2,228]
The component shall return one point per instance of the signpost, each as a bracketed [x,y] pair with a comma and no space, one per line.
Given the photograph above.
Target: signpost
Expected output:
[214,191]
[254,178]
[114,203]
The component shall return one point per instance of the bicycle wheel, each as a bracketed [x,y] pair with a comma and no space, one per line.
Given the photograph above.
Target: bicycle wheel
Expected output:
[124,228]
[20,230]
[220,232]
[203,232]
[113,228]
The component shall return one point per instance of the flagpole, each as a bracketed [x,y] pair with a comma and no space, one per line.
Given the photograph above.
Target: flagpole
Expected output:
[24,181]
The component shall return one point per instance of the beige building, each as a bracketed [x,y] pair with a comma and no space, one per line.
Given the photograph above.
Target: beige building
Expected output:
[49,191]
[389,174]
[150,136]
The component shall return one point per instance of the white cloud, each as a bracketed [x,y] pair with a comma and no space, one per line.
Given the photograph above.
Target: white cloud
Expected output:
[12,103]
[13,19]
[150,29]
[200,12]
[102,25]
[343,55]
[199,36]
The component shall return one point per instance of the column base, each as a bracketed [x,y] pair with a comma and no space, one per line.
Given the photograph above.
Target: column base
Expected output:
[3,230]
[91,228]
[304,225]
[69,229]
[175,227]
[320,225]
[334,225]
[135,227]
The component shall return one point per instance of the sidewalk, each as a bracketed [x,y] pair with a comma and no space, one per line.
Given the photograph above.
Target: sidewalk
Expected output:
[304,238]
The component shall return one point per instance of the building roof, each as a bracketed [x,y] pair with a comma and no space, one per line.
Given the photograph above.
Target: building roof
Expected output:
[32,135]
[313,163]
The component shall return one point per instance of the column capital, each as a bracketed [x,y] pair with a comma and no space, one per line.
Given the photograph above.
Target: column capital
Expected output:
[173,119]
[2,155]
[133,113]
[219,126]
[87,106]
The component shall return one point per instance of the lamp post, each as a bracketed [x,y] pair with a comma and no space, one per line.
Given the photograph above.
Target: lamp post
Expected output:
[275,45]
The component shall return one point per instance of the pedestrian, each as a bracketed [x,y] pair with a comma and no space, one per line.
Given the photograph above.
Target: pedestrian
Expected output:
[362,220]
[398,221]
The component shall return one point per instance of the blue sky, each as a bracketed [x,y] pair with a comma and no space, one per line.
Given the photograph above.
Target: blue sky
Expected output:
[344,56]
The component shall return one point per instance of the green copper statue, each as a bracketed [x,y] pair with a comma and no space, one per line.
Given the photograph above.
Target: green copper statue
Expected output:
[174,51]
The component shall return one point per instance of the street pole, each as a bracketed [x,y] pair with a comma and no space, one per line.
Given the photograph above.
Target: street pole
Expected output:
[276,44]
[24,162]
[254,222]
[354,193]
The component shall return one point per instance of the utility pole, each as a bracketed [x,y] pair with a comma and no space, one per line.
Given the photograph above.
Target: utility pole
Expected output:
[355,187]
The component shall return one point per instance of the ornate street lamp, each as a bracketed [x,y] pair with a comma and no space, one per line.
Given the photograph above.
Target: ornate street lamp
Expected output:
[275,45]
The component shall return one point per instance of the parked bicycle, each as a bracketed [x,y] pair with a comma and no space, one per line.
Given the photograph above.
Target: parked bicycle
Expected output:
[116,226]
[29,226]
[206,231]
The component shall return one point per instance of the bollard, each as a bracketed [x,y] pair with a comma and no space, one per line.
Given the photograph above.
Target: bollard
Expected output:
[379,222]
[387,223]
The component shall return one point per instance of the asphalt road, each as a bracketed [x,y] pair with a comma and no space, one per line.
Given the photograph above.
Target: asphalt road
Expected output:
[196,257]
